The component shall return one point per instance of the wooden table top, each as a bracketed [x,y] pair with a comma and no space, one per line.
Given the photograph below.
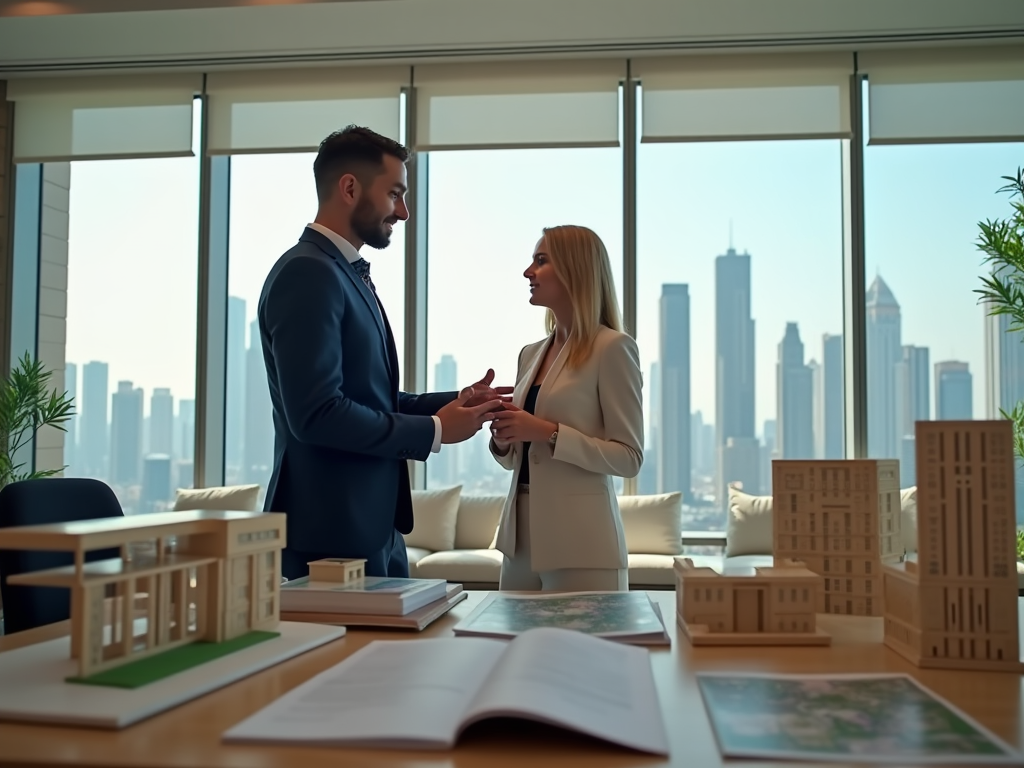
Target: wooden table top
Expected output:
[190,735]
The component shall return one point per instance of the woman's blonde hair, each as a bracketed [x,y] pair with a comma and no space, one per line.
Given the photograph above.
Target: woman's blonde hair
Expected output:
[581,263]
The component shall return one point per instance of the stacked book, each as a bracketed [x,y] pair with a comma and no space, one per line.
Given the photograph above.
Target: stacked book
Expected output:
[337,592]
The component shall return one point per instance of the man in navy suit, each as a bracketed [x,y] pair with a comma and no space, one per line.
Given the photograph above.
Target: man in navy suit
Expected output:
[343,430]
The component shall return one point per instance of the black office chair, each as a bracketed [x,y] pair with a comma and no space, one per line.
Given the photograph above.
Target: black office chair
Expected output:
[40,502]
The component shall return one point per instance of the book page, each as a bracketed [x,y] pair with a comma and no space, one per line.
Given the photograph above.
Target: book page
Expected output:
[391,693]
[594,686]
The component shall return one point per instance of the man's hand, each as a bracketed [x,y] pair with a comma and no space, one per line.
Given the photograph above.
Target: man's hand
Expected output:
[483,392]
[460,421]
[514,425]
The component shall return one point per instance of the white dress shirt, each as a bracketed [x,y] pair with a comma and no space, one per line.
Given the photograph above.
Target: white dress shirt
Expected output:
[351,254]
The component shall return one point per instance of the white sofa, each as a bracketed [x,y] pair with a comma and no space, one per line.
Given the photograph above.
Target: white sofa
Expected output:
[453,538]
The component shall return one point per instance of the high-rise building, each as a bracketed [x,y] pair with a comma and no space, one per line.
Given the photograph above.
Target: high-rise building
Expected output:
[1004,376]
[156,493]
[234,400]
[71,437]
[954,396]
[674,460]
[443,469]
[767,454]
[95,427]
[833,388]
[185,430]
[795,435]
[741,462]
[647,480]
[734,358]
[161,422]
[126,434]
[884,350]
[259,414]
[913,404]
[817,407]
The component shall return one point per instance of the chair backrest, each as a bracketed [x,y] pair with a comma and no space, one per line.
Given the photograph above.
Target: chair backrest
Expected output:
[40,502]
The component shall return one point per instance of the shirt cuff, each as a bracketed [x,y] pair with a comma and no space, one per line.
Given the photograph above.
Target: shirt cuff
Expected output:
[436,447]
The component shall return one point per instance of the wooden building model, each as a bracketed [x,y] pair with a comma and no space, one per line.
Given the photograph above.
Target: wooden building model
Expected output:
[341,570]
[955,607]
[842,520]
[211,575]
[755,606]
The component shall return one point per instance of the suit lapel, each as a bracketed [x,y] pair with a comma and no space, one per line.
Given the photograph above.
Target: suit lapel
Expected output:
[549,378]
[519,396]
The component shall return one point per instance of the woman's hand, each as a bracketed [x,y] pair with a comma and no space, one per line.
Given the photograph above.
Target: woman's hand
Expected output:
[514,425]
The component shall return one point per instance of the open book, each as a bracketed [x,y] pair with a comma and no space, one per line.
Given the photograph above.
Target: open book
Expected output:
[421,694]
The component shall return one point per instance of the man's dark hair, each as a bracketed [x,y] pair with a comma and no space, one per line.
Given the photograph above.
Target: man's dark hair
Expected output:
[354,150]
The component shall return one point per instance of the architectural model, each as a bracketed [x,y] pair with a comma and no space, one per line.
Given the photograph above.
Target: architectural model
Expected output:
[218,580]
[956,606]
[338,569]
[842,520]
[761,606]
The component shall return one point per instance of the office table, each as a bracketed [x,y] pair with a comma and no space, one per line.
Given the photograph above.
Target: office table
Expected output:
[190,735]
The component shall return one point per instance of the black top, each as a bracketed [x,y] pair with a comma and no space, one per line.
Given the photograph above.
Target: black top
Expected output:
[524,462]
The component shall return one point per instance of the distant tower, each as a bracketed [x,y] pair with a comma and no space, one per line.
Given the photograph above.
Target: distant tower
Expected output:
[186,429]
[842,520]
[1004,377]
[443,469]
[156,483]
[955,607]
[734,359]
[913,404]
[834,407]
[674,460]
[94,440]
[954,396]
[883,352]
[795,436]
[126,434]
[161,422]
[71,438]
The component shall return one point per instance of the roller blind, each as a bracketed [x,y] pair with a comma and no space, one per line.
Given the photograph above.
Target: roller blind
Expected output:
[745,97]
[945,95]
[292,110]
[92,118]
[518,104]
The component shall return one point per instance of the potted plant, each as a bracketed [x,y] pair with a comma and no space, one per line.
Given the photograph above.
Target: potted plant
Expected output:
[1002,242]
[27,403]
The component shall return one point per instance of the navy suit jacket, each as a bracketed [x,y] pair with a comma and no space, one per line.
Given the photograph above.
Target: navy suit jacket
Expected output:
[342,429]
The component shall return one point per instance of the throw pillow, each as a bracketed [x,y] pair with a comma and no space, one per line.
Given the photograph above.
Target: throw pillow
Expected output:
[908,518]
[434,514]
[749,528]
[652,523]
[477,521]
[240,498]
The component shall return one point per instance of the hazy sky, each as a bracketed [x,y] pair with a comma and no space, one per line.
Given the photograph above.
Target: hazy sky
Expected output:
[133,234]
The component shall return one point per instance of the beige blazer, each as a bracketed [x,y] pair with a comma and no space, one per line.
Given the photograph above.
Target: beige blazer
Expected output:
[574,513]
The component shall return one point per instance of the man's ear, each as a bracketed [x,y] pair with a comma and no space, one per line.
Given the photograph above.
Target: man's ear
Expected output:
[349,188]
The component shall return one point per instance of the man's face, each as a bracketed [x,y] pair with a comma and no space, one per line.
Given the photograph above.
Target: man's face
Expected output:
[381,205]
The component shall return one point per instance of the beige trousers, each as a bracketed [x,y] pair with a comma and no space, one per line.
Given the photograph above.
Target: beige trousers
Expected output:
[517,573]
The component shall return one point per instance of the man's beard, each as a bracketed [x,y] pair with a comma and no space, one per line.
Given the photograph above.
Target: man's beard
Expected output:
[368,227]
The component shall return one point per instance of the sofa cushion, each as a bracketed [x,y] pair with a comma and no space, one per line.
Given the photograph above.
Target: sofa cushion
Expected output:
[433,519]
[477,521]
[462,565]
[908,518]
[651,570]
[415,554]
[652,524]
[748,528]
[234,498]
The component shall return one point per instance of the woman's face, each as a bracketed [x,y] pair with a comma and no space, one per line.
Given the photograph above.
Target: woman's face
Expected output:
[546,290]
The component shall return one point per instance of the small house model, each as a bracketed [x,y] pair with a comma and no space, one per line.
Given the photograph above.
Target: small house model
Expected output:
[341,570]
[752,606]
[842,520]
[211,575]
[955,607]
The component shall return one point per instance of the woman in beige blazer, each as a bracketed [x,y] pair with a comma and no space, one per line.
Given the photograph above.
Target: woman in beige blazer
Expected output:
[575,421]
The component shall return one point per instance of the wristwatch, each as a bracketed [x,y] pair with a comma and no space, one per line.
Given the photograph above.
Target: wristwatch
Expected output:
[553,439]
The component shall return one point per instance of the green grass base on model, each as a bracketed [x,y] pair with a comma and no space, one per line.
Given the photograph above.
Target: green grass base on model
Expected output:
[136,674]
